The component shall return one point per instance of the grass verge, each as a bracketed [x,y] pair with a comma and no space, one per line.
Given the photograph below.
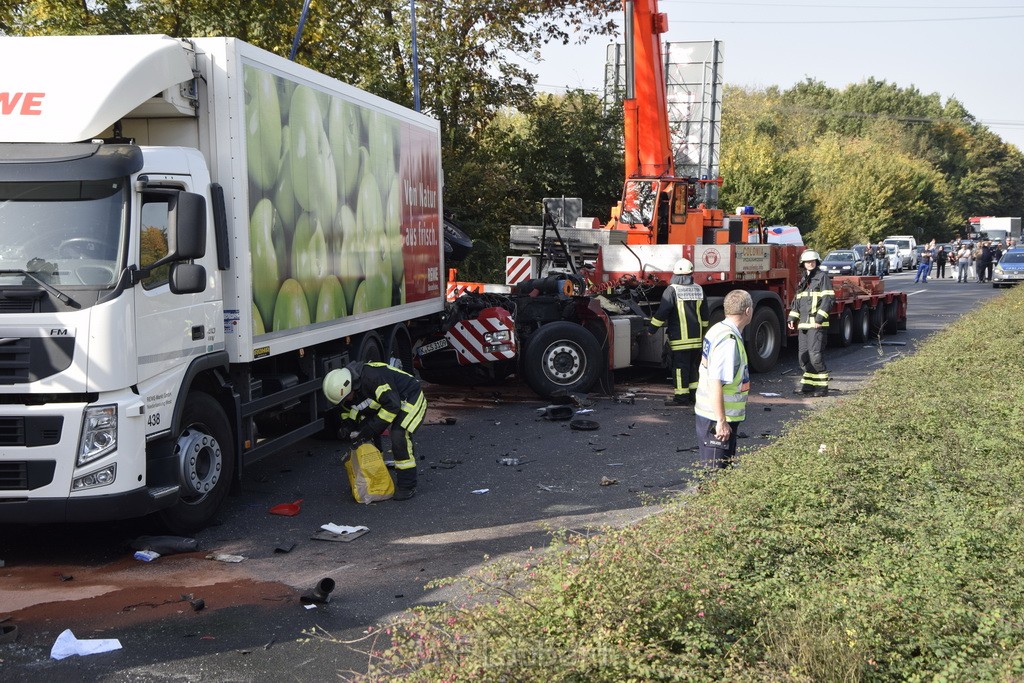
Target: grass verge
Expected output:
[892,552]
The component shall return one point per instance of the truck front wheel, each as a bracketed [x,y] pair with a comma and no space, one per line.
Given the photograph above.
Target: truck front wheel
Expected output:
[562,355]
[206,462]
[764,339]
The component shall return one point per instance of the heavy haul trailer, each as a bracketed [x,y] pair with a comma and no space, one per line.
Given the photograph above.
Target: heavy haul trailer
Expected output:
[583,309]
[192,233]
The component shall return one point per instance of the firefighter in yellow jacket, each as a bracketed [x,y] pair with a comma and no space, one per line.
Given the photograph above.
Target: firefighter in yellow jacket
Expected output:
[685,311]
[808,314]
[382,397]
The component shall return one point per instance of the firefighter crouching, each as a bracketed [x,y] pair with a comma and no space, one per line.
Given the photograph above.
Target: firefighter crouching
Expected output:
[376,396]
[685,311]
[808,314]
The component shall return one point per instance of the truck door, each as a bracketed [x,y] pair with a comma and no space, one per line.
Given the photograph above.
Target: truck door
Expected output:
[171,329]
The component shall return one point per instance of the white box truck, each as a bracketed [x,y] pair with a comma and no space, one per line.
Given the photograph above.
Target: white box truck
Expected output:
[192,233]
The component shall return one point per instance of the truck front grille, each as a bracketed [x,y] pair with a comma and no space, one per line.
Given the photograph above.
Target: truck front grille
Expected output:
[30,431]
[26,476]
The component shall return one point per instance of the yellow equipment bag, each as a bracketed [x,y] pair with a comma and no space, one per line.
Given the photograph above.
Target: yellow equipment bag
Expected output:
[368,475]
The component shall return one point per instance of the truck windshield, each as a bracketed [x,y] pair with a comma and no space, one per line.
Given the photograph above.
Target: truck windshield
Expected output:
[638,202]
[66,233]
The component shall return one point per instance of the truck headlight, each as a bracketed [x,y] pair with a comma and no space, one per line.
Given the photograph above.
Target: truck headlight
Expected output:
[99,433]
[496,337]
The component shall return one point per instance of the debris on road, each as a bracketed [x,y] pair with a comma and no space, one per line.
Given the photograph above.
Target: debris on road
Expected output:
[321,593]
[197,604]
[165,545]
[608,481]
[67,645]
[584,425]
[480,491]
[770,394]
[284,548]
[339,532]
[556,412]
[224,557]
[508,462]
[287,509]
[146,555]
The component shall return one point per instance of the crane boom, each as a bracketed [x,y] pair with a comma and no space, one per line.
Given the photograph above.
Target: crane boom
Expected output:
[645,108]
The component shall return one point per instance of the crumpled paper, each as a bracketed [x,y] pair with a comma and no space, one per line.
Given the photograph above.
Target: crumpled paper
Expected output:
[67,645]
[341,529]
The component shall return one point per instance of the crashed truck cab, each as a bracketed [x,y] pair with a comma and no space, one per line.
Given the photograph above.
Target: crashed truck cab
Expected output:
[95,252]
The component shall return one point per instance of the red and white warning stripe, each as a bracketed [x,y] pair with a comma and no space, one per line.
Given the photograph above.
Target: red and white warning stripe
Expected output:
[467,338]
[518,268]
[456,289]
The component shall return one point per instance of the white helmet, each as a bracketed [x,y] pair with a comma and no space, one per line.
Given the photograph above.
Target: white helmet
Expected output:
[683,267]
[338,385]
[809,255]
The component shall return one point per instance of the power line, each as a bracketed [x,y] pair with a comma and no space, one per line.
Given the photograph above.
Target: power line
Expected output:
[819,6]
[844,21]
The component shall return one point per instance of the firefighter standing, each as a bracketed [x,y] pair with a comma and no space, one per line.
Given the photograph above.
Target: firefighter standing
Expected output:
[685,311]
[384,397]
[808,313]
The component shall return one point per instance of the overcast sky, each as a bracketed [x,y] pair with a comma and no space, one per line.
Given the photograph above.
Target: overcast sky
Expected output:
[974,53]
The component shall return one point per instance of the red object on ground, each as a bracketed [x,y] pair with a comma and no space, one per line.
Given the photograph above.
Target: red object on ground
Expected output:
[287,509]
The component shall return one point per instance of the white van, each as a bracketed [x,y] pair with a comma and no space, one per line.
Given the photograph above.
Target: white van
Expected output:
[906,247]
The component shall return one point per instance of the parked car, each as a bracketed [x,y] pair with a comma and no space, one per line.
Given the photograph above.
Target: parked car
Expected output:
[895,262]
[1010,269]
[843,262]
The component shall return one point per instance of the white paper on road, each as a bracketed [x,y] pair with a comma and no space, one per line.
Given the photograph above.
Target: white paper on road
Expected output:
[480,491]
[770,394]
[341,529]
[67,645]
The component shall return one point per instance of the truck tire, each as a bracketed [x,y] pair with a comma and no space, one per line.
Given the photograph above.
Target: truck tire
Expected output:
[370,349]
[764,339]
[843,333]
[206,466]
[562,355]
[892,317]
[878,320]
[861,325]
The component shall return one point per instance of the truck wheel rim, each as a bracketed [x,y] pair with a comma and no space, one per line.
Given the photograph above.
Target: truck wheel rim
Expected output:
[200,460]
[563,362]
[764,341]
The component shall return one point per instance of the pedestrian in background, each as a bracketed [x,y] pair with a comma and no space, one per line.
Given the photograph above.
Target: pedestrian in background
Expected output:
[963,260]
[941,257]
[723,383]
[924,266]
[983,263]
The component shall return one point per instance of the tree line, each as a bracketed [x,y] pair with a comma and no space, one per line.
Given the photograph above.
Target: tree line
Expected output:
[849,165]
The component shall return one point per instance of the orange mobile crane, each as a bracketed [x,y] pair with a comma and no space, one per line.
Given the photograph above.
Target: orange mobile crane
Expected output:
[580,293]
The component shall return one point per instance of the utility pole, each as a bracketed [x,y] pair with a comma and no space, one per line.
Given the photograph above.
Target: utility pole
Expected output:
[415,58]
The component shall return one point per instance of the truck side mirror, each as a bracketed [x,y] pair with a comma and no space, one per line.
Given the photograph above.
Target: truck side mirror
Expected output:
[187,222]
[187,278]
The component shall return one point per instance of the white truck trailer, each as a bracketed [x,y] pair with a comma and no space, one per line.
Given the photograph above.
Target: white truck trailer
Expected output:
[192,233]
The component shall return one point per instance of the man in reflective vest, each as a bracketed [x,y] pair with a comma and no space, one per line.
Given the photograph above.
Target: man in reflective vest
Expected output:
[685,311]
[808,314]
[723,383]
[383,397]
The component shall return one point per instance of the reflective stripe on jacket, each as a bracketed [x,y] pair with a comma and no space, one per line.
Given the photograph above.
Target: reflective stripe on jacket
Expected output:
[387,392]
[690,321]
[813,300]
[734,394]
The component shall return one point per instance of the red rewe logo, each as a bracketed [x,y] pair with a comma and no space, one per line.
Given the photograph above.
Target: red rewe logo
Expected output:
[711,258]
[21,103]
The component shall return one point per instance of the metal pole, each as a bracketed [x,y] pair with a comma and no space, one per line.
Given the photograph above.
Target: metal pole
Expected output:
[298,31]
[628,35]
[415,58]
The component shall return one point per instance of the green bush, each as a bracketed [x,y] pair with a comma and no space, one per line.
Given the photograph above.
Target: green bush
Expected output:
[893,553]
